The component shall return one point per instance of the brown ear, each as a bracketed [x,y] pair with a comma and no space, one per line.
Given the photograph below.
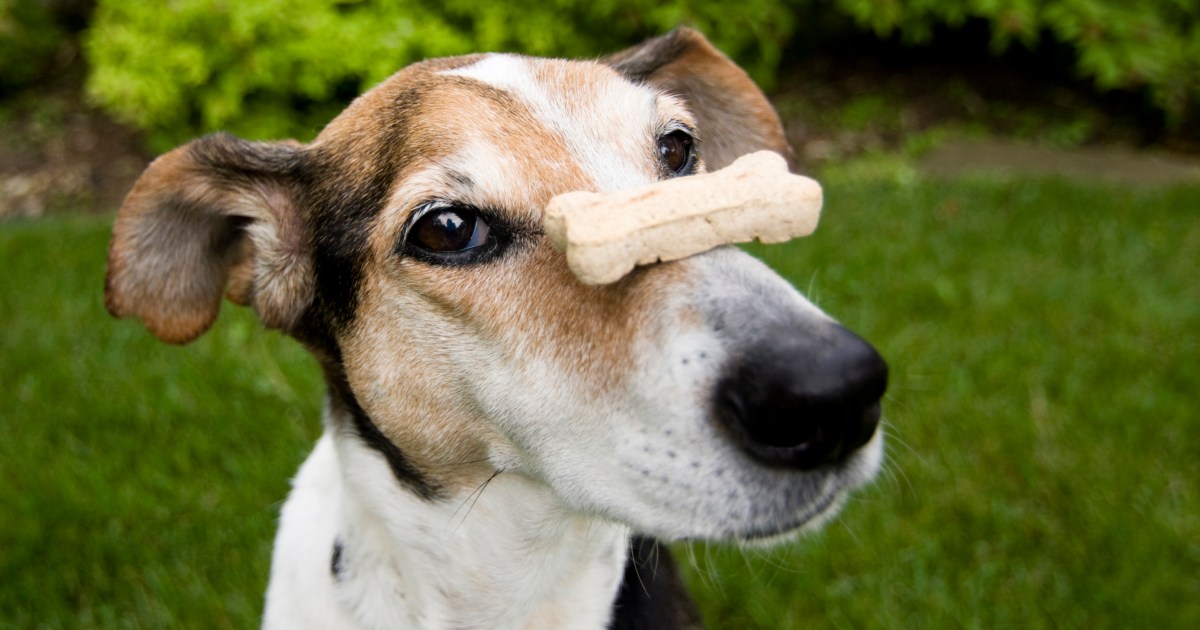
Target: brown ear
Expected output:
[735,117]
[217,212]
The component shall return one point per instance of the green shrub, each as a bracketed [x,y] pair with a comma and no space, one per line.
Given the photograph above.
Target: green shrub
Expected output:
[1119,44]
[29,37]
[273,68]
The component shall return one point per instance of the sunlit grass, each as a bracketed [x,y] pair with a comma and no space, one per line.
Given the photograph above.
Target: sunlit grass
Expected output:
[1044,439]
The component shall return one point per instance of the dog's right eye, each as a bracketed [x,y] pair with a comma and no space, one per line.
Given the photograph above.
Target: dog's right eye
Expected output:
[448,233]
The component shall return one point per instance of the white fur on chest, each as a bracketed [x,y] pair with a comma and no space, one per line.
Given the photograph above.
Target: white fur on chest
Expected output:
[505,557]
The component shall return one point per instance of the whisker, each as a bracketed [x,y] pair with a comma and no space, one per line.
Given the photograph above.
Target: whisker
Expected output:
[472,499]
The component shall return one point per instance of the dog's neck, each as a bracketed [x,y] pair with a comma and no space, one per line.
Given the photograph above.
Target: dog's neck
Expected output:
[503,555]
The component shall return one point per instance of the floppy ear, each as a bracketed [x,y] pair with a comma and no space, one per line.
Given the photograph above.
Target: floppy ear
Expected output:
[735,117]
[215,213]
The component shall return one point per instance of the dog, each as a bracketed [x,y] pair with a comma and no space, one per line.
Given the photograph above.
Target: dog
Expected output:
[504,445]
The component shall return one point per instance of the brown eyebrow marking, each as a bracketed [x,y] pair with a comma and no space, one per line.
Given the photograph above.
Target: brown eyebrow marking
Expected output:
[461,179]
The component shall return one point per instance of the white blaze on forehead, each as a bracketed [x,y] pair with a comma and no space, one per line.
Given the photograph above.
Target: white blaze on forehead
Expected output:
[607,124]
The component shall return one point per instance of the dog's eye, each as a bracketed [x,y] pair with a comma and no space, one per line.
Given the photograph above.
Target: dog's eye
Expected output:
[676,153]
[449,229]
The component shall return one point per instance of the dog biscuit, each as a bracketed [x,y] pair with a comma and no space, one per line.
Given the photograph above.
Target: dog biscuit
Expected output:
[606,234]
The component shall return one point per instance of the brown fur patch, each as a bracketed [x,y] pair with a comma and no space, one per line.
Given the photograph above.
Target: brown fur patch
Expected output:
[195,214]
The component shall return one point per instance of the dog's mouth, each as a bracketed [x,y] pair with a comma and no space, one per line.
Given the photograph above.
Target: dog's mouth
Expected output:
[716,491]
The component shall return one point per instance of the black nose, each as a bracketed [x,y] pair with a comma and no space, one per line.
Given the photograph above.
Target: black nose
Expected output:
[802,399]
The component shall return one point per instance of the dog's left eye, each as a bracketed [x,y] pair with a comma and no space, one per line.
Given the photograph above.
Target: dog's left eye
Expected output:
[676,152]
[449,229]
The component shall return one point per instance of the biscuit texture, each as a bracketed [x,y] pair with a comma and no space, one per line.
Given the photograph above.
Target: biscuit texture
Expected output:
[606,234]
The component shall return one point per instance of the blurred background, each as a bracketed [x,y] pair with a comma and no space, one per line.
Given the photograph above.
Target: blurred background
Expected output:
[1012,217]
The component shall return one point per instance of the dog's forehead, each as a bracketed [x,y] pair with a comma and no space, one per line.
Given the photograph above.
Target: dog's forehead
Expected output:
[606,124]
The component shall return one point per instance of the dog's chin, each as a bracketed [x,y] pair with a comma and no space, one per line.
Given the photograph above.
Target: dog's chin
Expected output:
[822,513]
[857,472]
[789,520]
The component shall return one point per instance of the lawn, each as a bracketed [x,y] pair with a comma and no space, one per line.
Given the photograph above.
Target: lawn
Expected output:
[1044,439]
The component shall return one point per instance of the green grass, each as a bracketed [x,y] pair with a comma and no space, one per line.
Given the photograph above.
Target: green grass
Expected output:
[1044,438]
[140,481]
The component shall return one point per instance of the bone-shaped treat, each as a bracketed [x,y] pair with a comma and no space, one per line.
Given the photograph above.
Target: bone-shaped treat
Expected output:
[606,234]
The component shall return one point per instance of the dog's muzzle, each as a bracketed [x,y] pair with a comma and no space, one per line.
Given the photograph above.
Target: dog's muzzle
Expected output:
[801,400]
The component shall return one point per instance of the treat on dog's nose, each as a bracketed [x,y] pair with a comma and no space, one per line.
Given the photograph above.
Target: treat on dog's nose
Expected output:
[606,234]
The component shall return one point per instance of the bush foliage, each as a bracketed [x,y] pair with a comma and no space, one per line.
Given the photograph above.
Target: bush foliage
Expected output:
[283,67]
[1118,44]
[29,37]
[275,68]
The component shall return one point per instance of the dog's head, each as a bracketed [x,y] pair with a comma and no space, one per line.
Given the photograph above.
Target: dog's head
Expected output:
[404,246]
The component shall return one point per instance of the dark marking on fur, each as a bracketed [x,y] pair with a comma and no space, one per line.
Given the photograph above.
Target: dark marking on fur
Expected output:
[336,562]
[639,63]
[342,215]
[462,179]
[345,199]
[345,404]
[403,469]
[238,163]
[652,595]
